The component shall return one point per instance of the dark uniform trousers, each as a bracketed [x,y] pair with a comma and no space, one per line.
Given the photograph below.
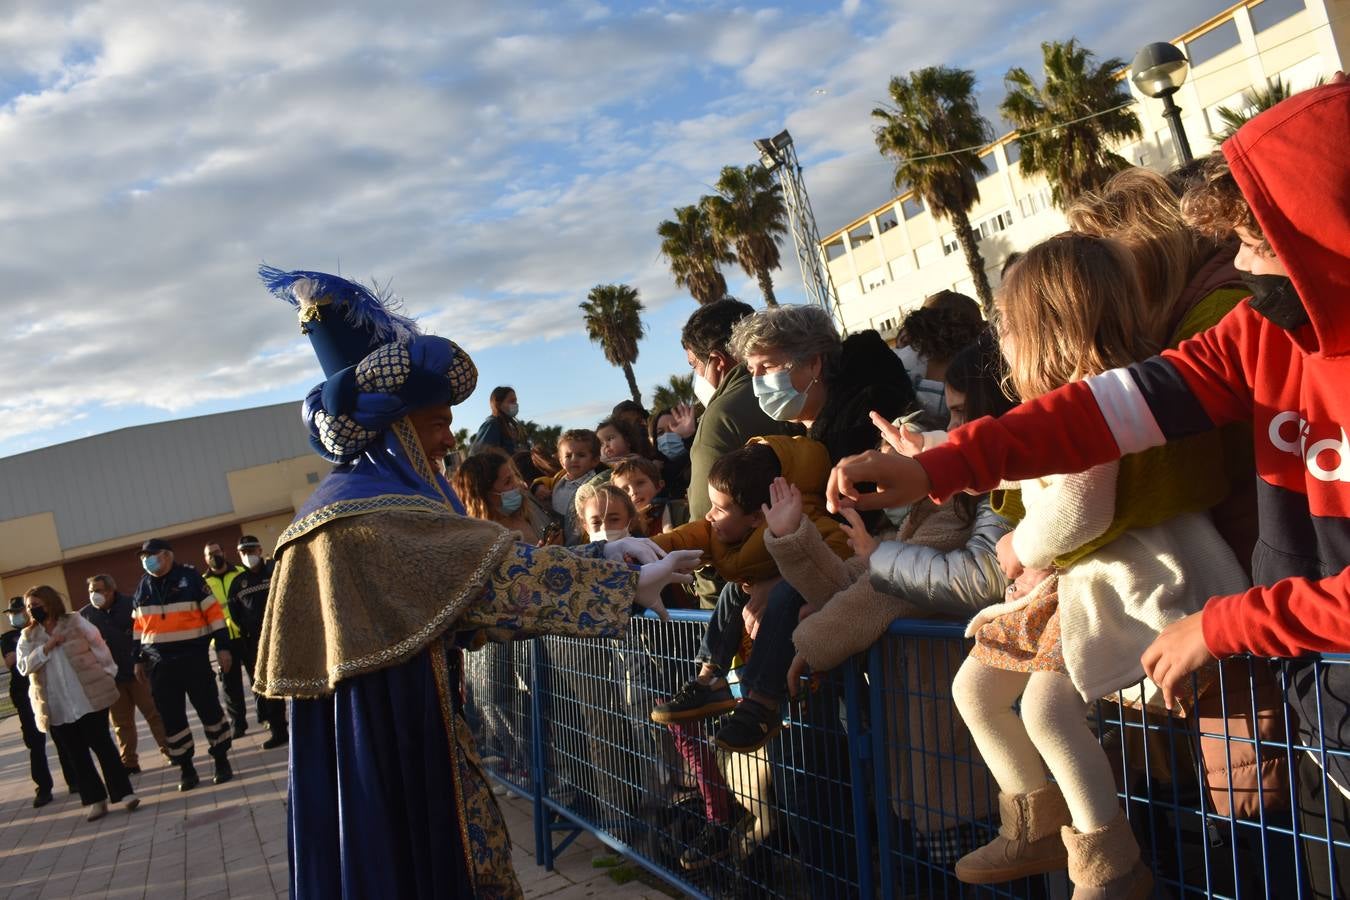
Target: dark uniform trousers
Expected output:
[173,681]
[272,713]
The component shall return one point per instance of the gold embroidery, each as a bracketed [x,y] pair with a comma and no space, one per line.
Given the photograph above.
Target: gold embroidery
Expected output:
[343,508]
[441,671]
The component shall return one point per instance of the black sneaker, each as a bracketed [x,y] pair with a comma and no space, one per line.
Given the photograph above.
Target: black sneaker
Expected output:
[749,728]
[42,799]
[695,700]
[278,739]
[713,842]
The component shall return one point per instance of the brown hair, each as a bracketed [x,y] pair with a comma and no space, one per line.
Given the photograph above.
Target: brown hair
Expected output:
[475,477]
[637,465]
[745,474]
[590,491]
[1069,309]
[1138,208]
[1214,203]
[581,436]
[633,434]
[52,600]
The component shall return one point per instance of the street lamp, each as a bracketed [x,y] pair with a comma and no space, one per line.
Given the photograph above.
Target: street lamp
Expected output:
[1158,70]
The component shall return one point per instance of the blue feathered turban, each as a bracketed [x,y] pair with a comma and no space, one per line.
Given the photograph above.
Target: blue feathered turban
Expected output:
[379,367]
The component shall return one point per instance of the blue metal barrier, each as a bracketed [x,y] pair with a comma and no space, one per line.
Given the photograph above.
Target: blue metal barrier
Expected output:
[874,787]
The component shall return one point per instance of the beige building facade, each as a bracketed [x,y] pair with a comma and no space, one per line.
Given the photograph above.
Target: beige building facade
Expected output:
[884,263]
[83,508]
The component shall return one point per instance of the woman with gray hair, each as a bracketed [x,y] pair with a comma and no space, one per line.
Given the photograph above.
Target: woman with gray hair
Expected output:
[804,373]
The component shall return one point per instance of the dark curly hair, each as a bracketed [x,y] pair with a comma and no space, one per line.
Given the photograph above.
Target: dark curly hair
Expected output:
[939,333]
[1214,205]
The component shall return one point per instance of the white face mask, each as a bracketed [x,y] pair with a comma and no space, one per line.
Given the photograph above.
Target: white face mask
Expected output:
[18,620]
[608,534]
[98,599]
[703,389]
[251,560]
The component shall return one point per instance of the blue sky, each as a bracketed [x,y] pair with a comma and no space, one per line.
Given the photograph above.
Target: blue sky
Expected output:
[492,161]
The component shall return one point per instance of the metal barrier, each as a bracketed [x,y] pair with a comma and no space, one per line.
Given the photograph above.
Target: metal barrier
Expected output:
[874,787]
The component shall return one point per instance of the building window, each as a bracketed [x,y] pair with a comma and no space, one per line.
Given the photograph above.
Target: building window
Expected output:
[834,250]
[1221,37]
[873,279]
[950,244]
[860,235]
[991,226]
[911,206]
[1035,202]
[1272,12]
[990,161]
[1013,150]
[887,220]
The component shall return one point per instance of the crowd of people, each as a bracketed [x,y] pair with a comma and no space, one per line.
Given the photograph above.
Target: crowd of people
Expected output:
[1133,467]
[73,673]
[1093,480]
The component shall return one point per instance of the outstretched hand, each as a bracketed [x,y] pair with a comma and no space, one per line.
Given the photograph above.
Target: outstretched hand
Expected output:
[862,542]
[900,481]
[783,512]
[1175,653]
[632,549]
[905,438]
[683,421]
[676,567]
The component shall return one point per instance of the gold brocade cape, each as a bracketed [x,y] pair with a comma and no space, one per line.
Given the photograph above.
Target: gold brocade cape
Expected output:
[361,585]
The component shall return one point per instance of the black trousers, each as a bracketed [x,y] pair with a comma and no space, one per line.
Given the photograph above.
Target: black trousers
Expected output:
[173,681]
[233,684]
[1316,799]
[271,713]
[36,742]
[91,733]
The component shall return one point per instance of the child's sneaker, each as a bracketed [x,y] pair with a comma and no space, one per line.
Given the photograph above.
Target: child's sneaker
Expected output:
[714,841]
[695,700]
[749,728]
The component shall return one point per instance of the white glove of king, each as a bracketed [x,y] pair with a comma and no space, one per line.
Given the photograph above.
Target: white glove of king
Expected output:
[676,568]
[632,549]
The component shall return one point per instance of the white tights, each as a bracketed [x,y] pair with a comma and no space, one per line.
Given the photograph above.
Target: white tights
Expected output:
[1053,726]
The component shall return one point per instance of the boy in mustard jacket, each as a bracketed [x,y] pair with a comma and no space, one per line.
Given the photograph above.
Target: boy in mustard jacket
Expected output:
[732,536]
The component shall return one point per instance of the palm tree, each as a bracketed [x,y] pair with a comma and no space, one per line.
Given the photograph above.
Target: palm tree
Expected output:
[933,131]
[695,253]
[537,435]
[1256,100]
[679,390]
[1068,124]
[749,214]
[614,321]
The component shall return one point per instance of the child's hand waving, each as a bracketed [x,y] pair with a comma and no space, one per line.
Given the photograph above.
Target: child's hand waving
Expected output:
[863,544]
[783,513]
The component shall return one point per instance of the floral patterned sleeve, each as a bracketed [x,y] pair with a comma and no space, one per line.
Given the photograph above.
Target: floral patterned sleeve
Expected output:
[550,590]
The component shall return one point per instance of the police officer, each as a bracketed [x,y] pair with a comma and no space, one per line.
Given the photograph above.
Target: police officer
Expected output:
[176,617]
[248,602]
[220,577]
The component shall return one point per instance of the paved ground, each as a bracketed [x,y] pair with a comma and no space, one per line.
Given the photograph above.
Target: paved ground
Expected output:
[213,842]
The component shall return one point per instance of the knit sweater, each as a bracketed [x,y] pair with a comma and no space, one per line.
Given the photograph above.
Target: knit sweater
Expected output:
[1115,600]
[75,679]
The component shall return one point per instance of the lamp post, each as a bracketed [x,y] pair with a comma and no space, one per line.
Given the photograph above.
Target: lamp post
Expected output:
[1158,70]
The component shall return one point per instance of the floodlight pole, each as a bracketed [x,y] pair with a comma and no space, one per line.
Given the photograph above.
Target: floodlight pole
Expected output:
[779,157]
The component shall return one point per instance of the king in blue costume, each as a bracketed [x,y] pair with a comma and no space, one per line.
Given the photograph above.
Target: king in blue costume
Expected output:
[379,583]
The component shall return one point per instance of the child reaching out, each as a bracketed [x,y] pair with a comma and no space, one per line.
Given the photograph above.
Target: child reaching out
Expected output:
[1068,635]
[733,536]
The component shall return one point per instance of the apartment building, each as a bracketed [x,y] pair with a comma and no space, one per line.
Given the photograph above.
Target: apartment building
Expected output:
[885,262]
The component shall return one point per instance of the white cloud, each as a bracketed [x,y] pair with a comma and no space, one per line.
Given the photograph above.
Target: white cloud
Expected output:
[494,161]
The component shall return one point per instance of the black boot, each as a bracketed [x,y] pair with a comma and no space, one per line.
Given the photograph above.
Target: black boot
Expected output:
[188,779]
[223,771]
[279,738]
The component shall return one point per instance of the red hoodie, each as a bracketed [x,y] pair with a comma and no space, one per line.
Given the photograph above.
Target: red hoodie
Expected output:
[1293,387]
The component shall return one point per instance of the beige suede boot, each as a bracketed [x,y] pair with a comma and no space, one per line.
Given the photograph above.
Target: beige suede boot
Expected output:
[1028,841]
[1105,864]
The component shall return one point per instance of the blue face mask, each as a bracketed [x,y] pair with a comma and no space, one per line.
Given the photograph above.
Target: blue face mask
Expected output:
[670,444]
[778,398]
[150,564]
[896,515]
[511,500]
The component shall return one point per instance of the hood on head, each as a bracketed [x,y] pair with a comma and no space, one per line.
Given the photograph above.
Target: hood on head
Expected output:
[1290,163]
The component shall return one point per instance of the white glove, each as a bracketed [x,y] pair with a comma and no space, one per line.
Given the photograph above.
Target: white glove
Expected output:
[676,568]
[641,550]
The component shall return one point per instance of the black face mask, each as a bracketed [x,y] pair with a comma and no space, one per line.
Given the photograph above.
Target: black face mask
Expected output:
[1274,297]
[217,561]
[39,615]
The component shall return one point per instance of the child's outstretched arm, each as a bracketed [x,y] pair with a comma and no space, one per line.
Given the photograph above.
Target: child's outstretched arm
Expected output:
[803,558]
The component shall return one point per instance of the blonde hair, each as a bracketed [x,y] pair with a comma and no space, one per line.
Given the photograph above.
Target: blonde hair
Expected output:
[1070,308]
[610,494]
[1139,209]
